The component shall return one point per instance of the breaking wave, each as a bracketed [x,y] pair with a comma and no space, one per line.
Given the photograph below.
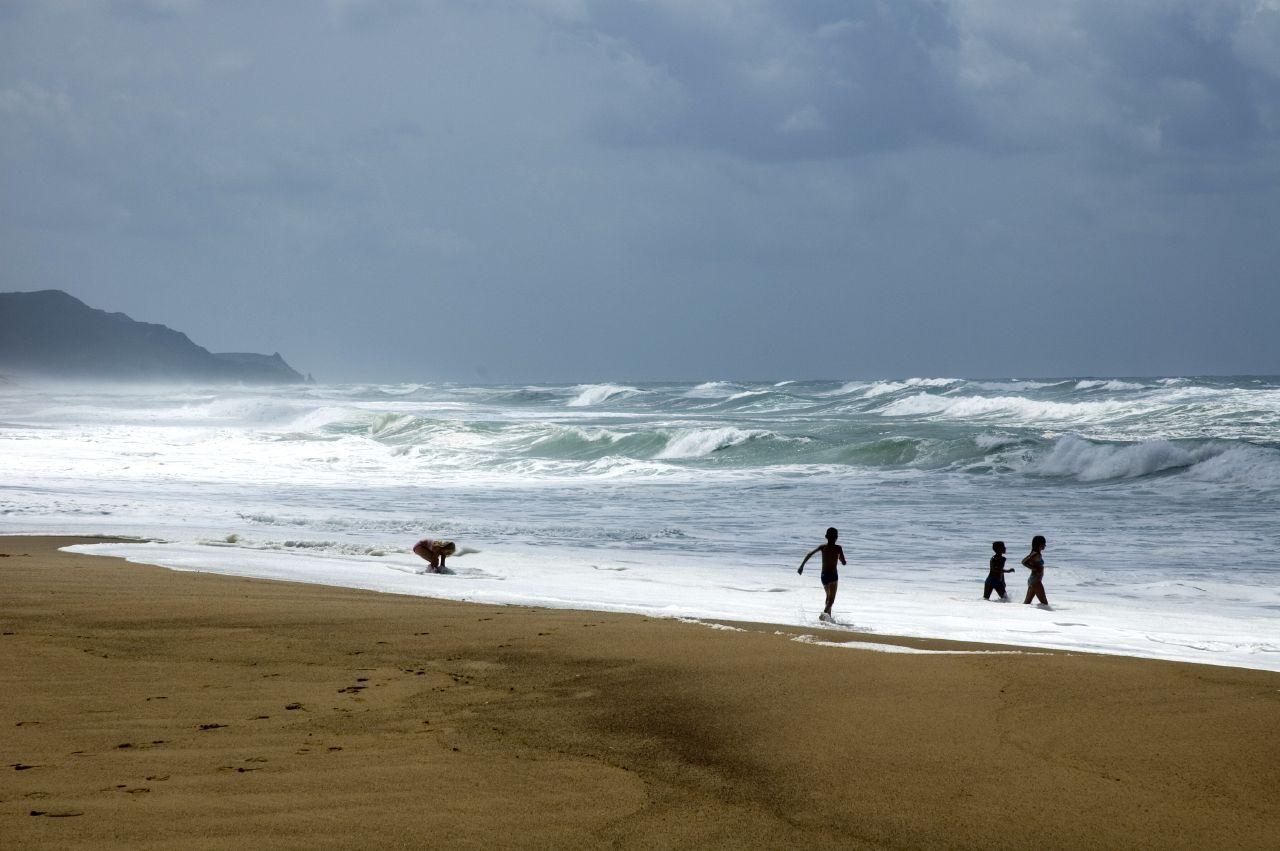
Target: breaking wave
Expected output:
[698,443]
[1212,461]
[1018,408]
[1224,431]
[595,394]
[1111,384]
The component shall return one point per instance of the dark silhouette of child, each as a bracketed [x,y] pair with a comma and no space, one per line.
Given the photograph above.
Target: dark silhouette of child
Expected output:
[831,552]
[995,574]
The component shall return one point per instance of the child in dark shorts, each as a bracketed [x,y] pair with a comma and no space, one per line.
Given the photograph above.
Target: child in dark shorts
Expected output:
[831,553]
[995,574]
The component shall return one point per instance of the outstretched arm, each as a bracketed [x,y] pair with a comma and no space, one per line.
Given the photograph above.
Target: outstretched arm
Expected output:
[807,557]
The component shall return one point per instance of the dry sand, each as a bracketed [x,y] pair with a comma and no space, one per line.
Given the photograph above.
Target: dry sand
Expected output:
[149,708]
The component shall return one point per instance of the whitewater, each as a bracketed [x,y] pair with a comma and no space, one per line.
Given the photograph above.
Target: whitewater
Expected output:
[1158,497]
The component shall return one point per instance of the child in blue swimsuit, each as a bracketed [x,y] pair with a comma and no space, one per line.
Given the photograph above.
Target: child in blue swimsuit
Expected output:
[831,552]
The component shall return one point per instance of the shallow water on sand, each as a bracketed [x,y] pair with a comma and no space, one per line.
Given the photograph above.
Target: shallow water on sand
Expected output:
[1158,496]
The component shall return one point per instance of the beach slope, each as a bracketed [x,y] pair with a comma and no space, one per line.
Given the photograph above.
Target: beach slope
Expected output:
[143,707]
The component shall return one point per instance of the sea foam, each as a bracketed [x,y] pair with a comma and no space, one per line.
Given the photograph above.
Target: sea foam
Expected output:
[1159,503]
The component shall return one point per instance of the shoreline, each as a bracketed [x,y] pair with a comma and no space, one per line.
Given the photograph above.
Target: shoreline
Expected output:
[215,559]
[855,638]
[147,707]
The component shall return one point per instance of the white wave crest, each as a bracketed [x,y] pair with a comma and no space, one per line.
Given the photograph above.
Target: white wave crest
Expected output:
[1242,465]
[594,394]
[1014,407]
[700,442]
[1111,384]
[711,390]
[994,441]
[386,425]
[401,389]
[1015,384]
[318,418]
[881,388]
[254,411]
[1074,457]
[847,388]
[584,434]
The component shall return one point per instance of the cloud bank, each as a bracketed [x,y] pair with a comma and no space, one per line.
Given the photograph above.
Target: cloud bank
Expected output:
[579,189]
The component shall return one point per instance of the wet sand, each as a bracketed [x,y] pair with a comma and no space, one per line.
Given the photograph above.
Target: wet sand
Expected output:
[144,707]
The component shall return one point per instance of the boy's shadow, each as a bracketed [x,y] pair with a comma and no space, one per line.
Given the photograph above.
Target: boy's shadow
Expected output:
[845,626]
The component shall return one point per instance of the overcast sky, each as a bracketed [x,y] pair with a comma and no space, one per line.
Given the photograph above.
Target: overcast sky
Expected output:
[577,190]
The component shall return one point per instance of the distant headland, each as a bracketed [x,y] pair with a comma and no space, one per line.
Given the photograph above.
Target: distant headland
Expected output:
[50,334]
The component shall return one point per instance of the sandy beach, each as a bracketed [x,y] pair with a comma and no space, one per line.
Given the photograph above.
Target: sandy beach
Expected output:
[145,708]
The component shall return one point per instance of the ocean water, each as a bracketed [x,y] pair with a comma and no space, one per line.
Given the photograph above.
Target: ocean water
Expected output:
[1159,497]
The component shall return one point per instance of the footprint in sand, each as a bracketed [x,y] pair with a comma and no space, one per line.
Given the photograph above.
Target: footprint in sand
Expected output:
[57,813]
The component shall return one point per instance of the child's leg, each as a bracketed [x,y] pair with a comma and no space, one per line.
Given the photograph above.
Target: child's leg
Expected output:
[830,588]
[1040,594]
[426,554]
[1031,594]
[987,588]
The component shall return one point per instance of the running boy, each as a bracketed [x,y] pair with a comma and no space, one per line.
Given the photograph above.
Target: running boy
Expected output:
[995,574]
[831,551]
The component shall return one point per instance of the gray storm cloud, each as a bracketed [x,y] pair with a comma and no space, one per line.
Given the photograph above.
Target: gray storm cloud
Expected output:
[578,190]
